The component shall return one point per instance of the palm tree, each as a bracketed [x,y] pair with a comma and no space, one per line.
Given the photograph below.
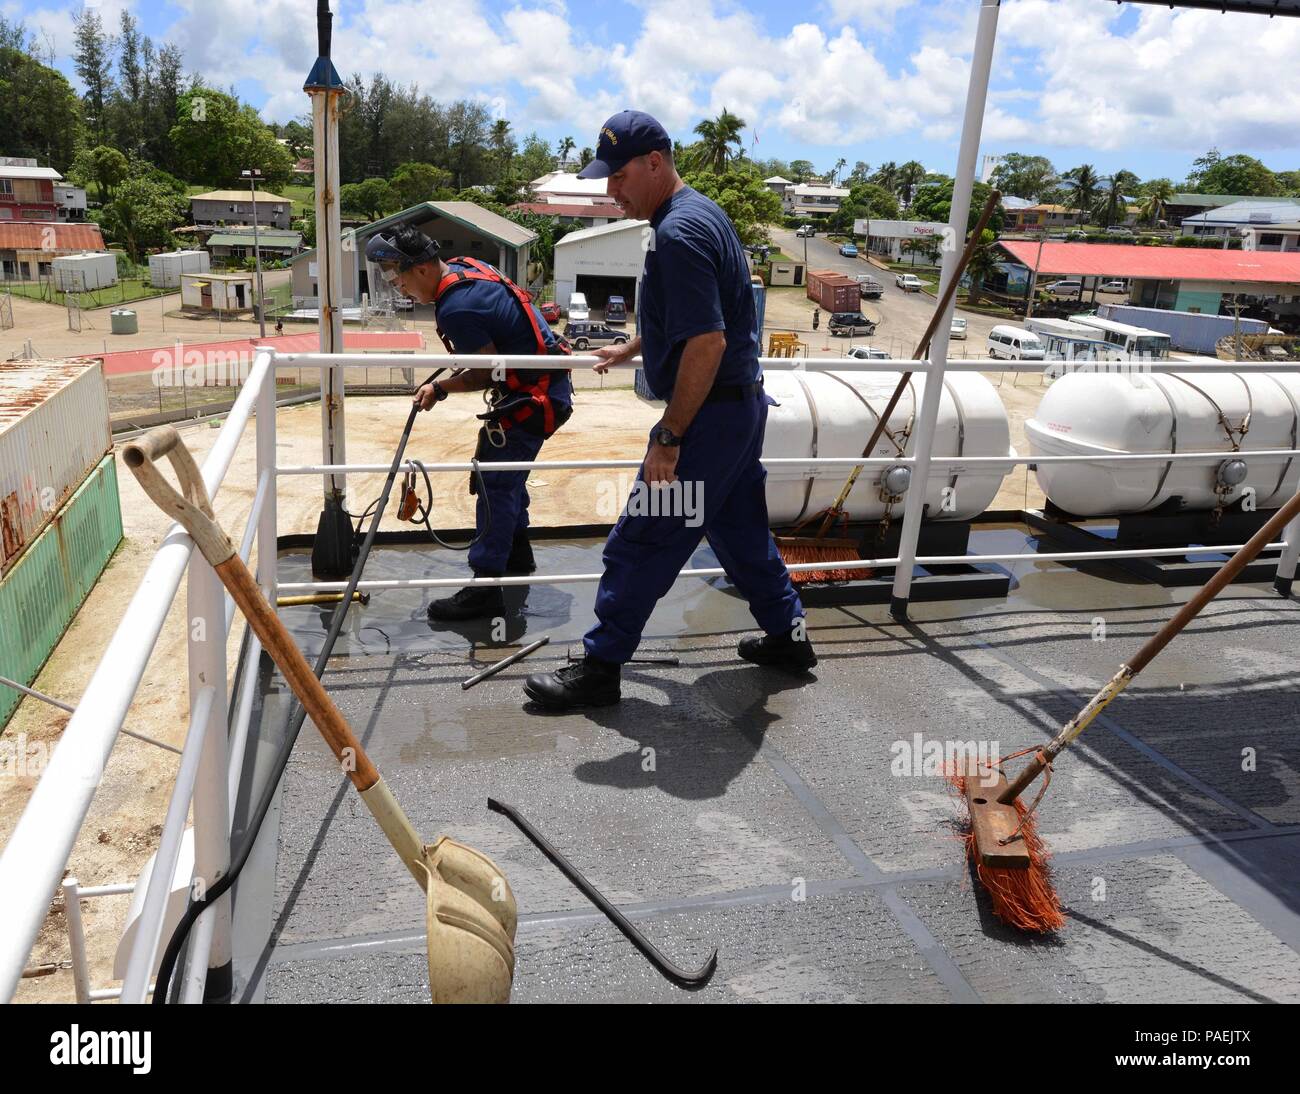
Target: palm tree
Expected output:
[887,176]
[1083,185]
[717,135]
[586,155]
[909,178]
[1159,194]
[1111,206]
[566,146]
[982,263]
[502,146]
[835,171]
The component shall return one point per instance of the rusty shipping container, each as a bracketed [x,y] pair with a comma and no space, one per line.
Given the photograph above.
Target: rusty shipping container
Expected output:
[833,290]
[54,430]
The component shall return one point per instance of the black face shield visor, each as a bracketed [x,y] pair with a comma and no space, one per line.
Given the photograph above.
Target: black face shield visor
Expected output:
[394,253]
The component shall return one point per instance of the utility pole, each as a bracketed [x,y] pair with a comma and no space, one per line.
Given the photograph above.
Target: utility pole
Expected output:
[1033,281]
[253,175]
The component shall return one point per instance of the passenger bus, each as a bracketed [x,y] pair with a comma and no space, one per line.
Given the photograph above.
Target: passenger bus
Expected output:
[1134,341]
[1066,341]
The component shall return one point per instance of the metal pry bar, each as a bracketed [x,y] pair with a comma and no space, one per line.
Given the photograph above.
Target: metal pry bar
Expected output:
[691,981]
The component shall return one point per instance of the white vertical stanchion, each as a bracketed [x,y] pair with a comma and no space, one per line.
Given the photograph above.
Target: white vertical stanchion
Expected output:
[976,95]
[1286,565]
[76,939]
[267,521]
[206,624]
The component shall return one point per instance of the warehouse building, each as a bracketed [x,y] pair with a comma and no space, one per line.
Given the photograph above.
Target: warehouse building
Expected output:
[601,262]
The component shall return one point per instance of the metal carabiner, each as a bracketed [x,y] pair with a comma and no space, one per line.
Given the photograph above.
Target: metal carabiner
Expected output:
[494,431]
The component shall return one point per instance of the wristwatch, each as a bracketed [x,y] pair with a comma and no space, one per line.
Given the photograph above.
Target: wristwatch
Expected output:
[661,434]
[439,392]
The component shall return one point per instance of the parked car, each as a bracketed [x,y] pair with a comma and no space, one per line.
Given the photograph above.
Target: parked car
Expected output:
[1014,344]
[552,312]
[850,322]
[848,250]
[869,353]
[584,335]
[869,287]
[909,282]
[1117,285]
[804,231]
[578,308]
[616,310]
[1119,230]
[1069,286]
[1076,233]
[958,328]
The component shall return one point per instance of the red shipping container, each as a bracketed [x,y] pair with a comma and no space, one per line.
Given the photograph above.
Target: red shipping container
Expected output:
[834,291]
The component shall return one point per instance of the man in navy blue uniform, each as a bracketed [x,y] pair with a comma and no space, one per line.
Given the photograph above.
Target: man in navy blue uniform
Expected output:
[699,348]
[478,311]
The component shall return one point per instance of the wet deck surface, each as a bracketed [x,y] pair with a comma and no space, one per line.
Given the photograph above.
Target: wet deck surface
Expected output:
[767,822]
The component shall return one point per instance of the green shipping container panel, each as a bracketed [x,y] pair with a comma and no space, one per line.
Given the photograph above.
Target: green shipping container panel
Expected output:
[41,594]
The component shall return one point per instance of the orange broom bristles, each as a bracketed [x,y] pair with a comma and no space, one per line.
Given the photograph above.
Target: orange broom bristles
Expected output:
[796,549]
[1024,899]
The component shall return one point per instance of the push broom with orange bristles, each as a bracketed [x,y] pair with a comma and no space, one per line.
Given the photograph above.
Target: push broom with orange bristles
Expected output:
[821,547]
[1009,858]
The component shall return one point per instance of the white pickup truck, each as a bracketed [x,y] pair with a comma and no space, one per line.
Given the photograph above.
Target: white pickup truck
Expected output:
[909,282]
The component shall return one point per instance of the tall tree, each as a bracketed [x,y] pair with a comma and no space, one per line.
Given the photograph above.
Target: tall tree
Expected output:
[503,148]
[800,170]
[861,172]
[1156,194]
[835,171]
[1237,174]
[416,182]
[1082,184]
[887,176]
[566,146]
[104,166]
[128,104]
[717,136]
[1111,206]
[1029,177]
[910,176]
[93,64]
[535,159]
[40,115]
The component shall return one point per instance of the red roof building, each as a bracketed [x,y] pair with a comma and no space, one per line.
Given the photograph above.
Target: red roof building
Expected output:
[1156,263]
[1195,279]
[27,248]
[589,215]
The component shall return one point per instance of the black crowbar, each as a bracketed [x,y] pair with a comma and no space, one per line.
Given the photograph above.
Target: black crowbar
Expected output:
[691,981]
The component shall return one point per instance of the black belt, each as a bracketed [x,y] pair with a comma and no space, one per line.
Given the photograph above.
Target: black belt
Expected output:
[733,393]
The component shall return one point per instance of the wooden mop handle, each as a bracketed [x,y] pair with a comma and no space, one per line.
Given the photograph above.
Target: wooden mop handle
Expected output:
[1153,645]
[940,308]
[194,512]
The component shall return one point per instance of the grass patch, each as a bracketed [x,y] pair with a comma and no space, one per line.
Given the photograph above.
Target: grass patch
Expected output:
[125,291]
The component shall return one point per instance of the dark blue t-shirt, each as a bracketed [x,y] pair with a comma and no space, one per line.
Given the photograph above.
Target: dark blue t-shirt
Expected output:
[474,314]
[695,280]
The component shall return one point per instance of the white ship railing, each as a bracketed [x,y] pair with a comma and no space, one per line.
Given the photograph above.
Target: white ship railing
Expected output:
[37,853]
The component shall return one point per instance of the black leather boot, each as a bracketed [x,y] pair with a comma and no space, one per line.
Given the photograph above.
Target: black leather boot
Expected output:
[474,602]
[586,683]
[521,559]
[781,651]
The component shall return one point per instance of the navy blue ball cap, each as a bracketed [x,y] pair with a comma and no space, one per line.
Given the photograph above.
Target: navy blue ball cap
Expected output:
[628,134]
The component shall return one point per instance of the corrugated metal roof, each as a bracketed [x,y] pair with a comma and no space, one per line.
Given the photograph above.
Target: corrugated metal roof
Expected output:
[1271,211]
[263,196]
[27,384]
[30,173]
[1161,263]
[275,240]
[30,235]
[600,230]
[564,209]
[507,231]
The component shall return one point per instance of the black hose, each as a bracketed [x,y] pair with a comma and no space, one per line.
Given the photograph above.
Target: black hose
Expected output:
[297,715]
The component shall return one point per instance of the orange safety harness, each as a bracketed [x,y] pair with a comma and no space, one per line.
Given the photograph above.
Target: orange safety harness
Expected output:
[515,400]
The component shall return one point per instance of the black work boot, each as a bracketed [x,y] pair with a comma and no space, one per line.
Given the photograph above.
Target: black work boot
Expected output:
[473,602]
[521,559]
[780,651]
[586,683]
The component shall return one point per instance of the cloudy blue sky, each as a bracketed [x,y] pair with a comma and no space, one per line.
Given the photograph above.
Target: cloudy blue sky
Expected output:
[1119,86]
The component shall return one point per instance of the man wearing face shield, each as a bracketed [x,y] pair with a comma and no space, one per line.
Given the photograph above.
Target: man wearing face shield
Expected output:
[479,311]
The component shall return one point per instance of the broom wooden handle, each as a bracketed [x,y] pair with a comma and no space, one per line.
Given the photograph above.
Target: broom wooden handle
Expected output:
[193,510]
[940,308]
[1153,645]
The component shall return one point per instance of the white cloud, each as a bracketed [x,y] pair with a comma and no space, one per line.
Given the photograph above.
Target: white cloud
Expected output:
[1179,80]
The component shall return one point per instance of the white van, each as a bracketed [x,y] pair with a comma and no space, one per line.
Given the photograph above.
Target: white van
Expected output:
[1014,344]
[578,308]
